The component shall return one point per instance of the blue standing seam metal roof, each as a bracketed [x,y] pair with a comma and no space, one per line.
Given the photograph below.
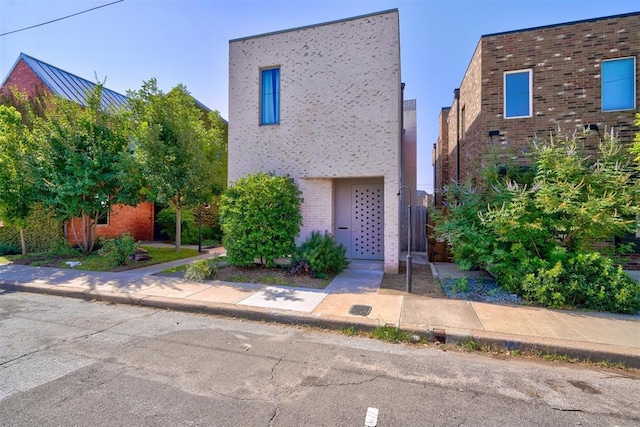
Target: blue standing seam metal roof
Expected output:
[70,86]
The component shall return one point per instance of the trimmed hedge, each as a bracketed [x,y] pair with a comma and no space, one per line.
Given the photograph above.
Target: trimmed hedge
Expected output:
[43,232]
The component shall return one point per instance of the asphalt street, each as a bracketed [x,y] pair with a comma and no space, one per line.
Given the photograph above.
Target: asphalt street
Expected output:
[74,362]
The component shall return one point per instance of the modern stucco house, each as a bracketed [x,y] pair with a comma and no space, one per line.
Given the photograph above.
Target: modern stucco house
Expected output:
[323,104]
[32,76]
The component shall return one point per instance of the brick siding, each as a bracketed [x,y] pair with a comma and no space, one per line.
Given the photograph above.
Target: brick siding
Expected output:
[138,221]
[23,78]
[565,62]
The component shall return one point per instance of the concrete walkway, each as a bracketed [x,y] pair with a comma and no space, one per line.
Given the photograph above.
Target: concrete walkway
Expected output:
[352,298]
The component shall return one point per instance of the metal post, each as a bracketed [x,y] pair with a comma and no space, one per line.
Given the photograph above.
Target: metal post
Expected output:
[199,230]
[409,267]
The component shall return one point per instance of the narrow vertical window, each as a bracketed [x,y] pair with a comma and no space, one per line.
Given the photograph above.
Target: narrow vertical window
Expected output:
[517,94]
[618,84]
[463,119]
[270,96]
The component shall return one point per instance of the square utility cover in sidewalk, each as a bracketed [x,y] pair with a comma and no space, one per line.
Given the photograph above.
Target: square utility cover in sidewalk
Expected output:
[384,308]
[285,299]
[360,310]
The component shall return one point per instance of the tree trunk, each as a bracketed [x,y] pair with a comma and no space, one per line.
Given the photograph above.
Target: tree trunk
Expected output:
[88,234]
[23,241]
[178,228]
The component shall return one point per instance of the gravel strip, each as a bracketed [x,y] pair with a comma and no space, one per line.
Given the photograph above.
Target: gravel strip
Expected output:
[480,290]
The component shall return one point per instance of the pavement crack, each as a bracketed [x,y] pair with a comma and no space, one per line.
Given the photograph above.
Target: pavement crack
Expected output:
[274,414]
[25,355]
[67,341]
[122,322]
[240,399]
[273,369]
[356,383]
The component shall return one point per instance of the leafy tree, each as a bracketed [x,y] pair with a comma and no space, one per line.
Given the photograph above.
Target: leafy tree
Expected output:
[181,150]
[82,162]
[260,217]
[17,193]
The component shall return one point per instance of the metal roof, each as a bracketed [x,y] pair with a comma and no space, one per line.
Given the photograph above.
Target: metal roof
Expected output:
[70,86]
[73,88]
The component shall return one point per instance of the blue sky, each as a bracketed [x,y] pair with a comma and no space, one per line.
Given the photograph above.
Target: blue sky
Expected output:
[186,41]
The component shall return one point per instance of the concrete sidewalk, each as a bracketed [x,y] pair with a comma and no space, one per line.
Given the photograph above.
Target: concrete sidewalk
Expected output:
[352,298]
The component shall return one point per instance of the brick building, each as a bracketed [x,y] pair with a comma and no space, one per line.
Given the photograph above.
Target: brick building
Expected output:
[323,104]
[32,76]
[565,77]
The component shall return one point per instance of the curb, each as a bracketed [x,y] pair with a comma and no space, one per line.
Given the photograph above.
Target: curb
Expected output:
[630,357]
[287,317]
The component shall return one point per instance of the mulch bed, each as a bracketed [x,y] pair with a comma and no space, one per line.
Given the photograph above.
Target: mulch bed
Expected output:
[423,283]
[269,276]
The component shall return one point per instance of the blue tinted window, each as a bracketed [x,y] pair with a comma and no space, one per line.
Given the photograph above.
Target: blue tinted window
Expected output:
[270,97]
[618,84]
[517,94]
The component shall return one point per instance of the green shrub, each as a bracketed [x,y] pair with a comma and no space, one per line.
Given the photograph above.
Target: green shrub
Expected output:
[260,217]
[470,242]
[537,228]
[118,250]
[210,228]
[323,255]
[167,220]
[42,231]
[6,249]
[585,280]
[62,248]
[204,269]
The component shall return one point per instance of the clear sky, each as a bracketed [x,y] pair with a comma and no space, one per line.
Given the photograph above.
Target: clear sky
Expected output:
[186,41]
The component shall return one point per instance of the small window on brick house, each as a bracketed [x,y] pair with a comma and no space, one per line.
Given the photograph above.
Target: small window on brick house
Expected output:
[103,219]
[618,84]
[270,96]
[518,94]
[463,120]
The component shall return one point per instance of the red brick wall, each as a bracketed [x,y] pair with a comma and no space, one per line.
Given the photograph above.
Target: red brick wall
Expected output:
[441,156]
[565,60]
[25,80]
[138,221]
[470,126]
[452,137]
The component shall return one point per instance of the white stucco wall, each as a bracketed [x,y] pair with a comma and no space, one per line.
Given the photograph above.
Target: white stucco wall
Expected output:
[339,112]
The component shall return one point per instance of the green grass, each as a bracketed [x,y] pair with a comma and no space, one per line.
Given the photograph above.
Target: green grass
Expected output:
[461,285]
[175,269]
[350,330]
[391,334]
[95,262]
